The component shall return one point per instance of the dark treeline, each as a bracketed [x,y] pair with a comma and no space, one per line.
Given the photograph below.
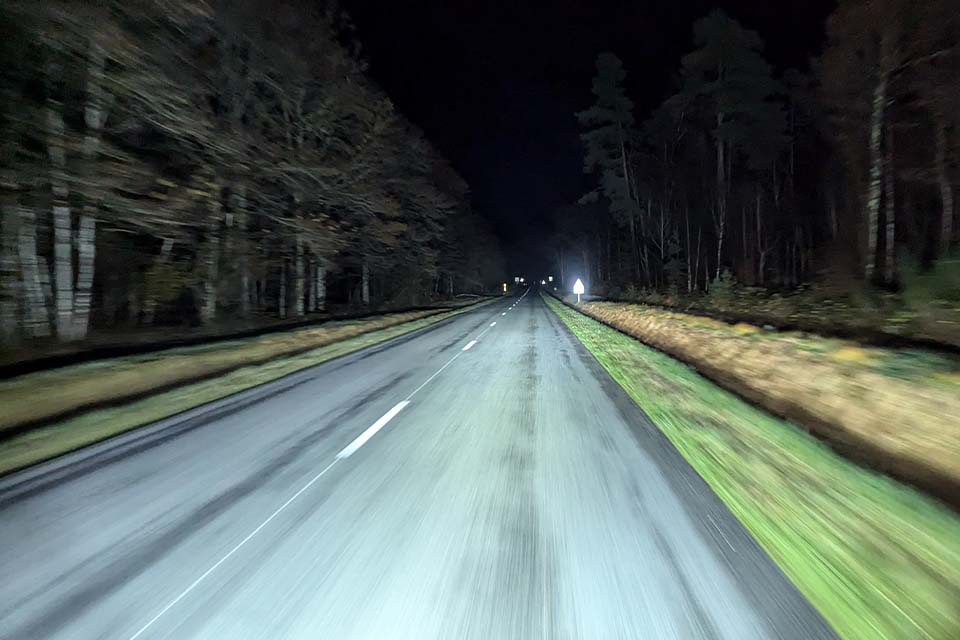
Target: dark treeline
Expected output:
[843,174]
[204,161]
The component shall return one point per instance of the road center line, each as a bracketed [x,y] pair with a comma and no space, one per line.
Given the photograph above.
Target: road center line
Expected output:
[371,431]
[358,442]
[469,345]
[493,324]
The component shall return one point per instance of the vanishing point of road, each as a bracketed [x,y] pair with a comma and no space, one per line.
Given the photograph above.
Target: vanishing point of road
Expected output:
[482,478]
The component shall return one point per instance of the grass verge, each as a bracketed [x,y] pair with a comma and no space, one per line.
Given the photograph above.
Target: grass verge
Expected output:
[46,442]
[896,410]
[878,559]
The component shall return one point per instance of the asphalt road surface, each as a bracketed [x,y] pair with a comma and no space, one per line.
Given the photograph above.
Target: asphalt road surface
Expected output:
[483,478]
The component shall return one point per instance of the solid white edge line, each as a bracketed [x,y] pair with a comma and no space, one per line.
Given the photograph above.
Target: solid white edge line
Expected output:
[469,345]
[371,431]
[219,562]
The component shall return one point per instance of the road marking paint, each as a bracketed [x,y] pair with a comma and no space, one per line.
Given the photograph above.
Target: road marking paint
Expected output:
[345,453]
[493,324]
[219,562]
[469,345]
[371,431]
[720,531]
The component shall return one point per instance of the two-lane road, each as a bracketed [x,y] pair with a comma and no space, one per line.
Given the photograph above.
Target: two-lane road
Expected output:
[483,478]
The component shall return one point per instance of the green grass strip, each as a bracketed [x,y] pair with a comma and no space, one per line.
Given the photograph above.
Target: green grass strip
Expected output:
[47,442]
[878,559]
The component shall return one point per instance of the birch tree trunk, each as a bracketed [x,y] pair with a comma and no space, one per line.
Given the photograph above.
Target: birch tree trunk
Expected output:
[946,192]
[298,282]
[875,186]
[36,323]
[365,285]
[62,222]
[720,224]
[86,254]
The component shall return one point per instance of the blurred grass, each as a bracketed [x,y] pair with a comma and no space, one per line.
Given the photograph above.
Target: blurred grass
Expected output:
[97,383]
[896,409]
[878,559]
[43,443]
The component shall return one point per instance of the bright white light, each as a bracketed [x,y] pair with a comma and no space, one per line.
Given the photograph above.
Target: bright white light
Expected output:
[578,287]
[550,278]
[543,282]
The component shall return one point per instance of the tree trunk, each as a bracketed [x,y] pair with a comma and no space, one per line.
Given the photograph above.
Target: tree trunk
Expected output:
[832,211]
[706,271]
[876,173]
[86,254]
[761,249]
[36,322]
[94,117]
[721,168]
[62,222]
[282,295]
[946,192]
[298,282]
[312,288]
[747,266]
[586,265]
[563,277]
[696,268]
[320,285]
[242,224]
[686,218]
[365,285]
[212,264]
[150,297]
[10,277]
[889,210]
[721,224]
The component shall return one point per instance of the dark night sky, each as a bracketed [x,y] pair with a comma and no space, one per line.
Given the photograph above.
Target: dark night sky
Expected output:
[495,84]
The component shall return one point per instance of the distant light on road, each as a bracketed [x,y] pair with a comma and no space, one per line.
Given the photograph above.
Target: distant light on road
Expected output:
[543,282]
[550,278]
[504,287]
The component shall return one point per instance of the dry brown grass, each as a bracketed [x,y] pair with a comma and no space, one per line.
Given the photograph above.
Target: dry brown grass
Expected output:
[875,404]
[45,396]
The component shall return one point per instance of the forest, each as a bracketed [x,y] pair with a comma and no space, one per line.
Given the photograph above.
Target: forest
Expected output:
[838,178]
[209,162]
